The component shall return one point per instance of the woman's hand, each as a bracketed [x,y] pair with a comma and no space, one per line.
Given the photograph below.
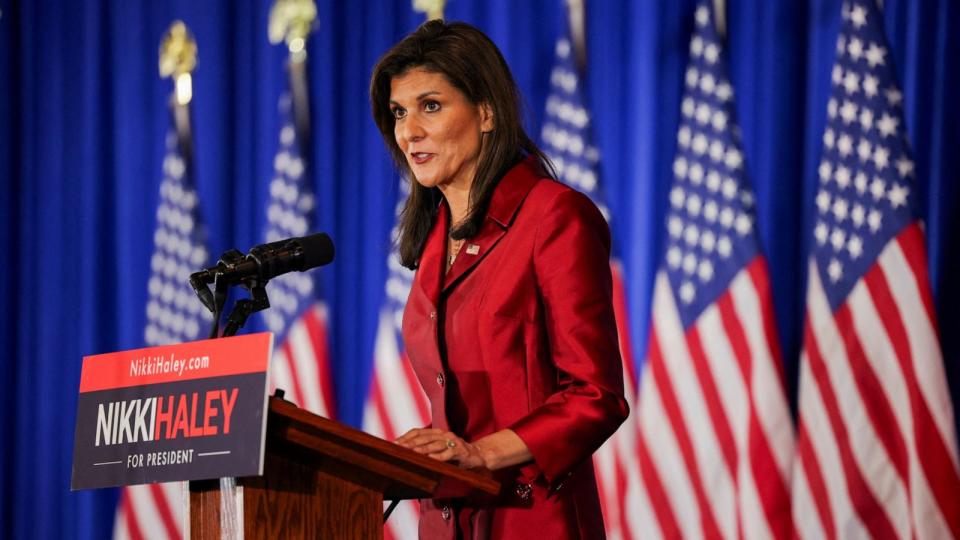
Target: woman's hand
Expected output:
[442,446]
[495,451]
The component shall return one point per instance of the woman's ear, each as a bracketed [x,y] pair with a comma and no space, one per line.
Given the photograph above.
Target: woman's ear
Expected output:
[486,118]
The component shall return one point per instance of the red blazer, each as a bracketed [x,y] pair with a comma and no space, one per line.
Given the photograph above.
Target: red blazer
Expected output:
[520,334]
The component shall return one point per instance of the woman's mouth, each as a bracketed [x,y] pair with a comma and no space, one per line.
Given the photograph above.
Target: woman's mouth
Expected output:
[421,157]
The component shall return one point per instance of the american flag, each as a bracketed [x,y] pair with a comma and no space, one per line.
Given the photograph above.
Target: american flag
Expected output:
[716,437]
[876,452]
[567,139]
[395,402]
[174,315]
[298,316]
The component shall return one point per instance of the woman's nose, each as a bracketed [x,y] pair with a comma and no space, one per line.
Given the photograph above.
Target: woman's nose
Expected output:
[410,129]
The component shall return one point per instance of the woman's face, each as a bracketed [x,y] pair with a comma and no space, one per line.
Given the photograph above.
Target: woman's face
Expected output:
[437,128]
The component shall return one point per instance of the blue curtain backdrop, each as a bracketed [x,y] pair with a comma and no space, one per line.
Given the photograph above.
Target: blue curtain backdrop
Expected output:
[83,115]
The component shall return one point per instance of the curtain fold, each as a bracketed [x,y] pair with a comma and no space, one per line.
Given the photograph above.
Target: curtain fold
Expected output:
[83,113]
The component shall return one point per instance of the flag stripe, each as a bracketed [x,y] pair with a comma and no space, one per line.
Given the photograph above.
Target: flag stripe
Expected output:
[659,498]
[691,421]
[878,346]
[638,507]
[713,356]
[303,357]
[733,389]
[163,508]
[280,372]
[924,344]
[148,514]
[619,496]
[770,435]
[291,361]
[938,467]
[673,410]
[810,471]
[827,453]
[871,357]
[761,463]
[315,321]
[868,508]
[912,245]
[872,394]
[668,469]
[386,425]
[132,528]
[753,302]
[760,277]
[860,433]
[710,393]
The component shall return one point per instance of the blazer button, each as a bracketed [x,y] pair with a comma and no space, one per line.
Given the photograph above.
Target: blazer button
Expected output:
[445,513]
[433,315]
[524,491]
[440,380]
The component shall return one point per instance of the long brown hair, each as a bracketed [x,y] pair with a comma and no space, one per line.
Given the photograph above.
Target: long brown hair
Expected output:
[472,64]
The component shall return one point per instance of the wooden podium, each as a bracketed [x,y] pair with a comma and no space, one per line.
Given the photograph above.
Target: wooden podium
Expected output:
[323,479]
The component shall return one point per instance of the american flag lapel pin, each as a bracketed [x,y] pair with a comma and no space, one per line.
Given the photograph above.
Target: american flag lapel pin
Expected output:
[473,249]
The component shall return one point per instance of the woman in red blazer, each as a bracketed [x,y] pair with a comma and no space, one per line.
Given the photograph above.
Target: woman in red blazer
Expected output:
[509,324]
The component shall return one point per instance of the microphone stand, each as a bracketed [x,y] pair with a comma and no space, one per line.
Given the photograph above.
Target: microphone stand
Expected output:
[243,308]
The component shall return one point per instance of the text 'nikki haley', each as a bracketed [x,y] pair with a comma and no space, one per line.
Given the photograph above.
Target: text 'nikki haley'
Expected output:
[166,417]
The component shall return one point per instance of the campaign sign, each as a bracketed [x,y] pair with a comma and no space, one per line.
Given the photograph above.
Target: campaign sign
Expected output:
[178,412]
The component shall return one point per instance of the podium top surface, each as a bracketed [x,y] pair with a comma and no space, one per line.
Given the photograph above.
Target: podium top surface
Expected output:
[361,458]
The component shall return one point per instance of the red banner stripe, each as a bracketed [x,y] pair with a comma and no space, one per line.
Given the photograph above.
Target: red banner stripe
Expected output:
[229,356]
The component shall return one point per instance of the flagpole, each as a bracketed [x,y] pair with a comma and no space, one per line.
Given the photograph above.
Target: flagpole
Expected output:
[577,19]
[178,59]
[720,15]
[432,9]
[291,22]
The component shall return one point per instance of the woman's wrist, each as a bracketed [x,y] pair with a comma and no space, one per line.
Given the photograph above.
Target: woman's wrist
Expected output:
[488,453]
[502,449]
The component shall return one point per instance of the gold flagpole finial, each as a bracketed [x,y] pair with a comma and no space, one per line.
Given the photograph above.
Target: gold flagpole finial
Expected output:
[432,8]
[178,58]
[291,21]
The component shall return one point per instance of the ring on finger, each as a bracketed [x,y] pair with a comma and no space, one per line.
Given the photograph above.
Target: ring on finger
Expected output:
[451,443]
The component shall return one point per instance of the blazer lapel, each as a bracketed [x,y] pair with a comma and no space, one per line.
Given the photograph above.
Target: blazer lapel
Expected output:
[506,200]
[432,264]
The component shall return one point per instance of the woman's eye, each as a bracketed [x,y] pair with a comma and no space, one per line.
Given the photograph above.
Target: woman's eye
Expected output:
[431,106]
[398,112]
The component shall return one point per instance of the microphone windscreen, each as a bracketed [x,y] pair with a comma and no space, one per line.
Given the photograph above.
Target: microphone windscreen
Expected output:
[317,250]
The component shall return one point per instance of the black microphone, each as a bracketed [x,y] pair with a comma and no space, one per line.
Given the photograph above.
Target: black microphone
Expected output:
[264,262]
